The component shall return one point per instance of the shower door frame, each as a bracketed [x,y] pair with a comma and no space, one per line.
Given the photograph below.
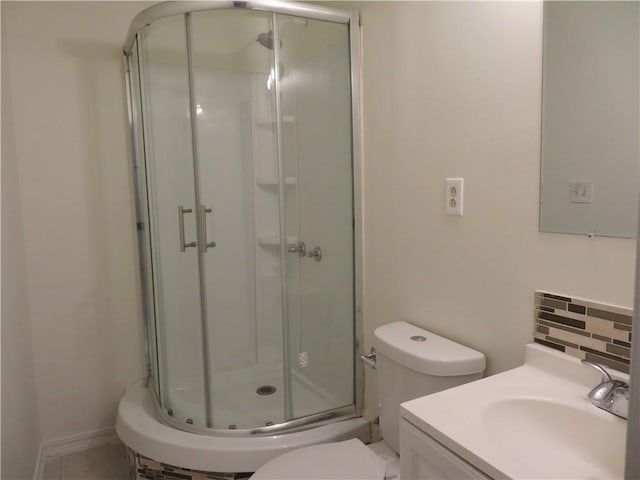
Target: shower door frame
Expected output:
[352,20]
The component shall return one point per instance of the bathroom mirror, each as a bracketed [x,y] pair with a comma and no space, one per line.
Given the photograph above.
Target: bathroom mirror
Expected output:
[590,118]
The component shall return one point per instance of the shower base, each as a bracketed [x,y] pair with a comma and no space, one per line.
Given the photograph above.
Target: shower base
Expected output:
[237,403]
[139,427]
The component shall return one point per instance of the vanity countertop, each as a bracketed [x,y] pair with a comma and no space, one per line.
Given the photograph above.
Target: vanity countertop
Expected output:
[534,421]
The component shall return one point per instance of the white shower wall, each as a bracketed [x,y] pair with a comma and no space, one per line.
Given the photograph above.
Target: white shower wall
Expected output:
[241,277]
[226,186]
[267,223]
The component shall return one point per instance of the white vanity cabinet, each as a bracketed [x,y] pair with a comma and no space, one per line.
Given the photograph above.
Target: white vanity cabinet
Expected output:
[421,457]
[501,426]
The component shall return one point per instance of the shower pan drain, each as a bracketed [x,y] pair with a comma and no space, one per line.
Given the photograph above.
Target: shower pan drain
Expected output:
[266,390]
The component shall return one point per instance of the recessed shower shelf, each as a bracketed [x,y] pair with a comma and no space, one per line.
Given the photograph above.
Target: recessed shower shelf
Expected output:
[286,119]
[267,182]
[273,240]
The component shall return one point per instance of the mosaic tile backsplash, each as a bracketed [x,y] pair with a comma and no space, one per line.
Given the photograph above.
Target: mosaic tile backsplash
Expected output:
[584,329]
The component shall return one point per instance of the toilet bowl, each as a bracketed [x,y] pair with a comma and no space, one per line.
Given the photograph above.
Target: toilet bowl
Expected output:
[411,363]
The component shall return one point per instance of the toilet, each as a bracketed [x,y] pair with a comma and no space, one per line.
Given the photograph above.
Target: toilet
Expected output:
[411,363]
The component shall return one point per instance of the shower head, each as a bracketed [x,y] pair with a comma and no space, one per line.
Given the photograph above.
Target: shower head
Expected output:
[266,40]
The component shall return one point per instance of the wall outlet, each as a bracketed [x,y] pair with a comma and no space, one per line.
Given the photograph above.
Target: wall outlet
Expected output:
[303,359]
[453,196]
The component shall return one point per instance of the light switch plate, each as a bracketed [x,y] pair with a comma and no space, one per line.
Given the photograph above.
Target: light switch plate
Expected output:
[581,191]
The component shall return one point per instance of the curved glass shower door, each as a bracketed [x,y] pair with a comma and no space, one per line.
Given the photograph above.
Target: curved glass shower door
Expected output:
[246,187]
[172,212]
[237,158]
[316,146]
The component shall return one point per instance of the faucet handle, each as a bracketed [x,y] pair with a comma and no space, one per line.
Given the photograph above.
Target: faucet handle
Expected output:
[605,375]
[620,401]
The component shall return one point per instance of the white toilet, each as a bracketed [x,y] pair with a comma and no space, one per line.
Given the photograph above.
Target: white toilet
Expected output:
[411,363]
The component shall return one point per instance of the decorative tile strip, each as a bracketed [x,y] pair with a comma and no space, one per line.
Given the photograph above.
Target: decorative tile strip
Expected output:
[144,468]
[584,329]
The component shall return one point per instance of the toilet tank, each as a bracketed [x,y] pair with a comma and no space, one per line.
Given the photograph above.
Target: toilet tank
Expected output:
[412,363]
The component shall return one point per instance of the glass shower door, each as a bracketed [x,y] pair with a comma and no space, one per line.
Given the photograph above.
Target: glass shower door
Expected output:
[234,92]
[315,100]
[171,204]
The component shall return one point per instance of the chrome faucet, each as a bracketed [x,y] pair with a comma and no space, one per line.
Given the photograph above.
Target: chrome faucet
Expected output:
[610,395]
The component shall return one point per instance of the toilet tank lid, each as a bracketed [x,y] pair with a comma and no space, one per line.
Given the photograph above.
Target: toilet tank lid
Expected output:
[435,355]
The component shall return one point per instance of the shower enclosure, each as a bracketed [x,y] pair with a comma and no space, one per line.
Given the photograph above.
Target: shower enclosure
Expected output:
[242,127]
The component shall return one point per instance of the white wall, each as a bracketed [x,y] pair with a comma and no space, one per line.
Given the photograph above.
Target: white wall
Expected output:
[454,89]
[74,199]
[20,419]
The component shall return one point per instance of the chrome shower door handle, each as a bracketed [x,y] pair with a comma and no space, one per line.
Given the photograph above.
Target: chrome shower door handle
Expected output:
[181,212]
[204,244]
[315,253]
[300,248]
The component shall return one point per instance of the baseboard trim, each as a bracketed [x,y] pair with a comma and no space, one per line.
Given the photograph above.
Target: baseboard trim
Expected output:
[73,444]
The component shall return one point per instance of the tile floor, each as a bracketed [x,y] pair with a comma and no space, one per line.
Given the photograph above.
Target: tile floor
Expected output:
[108,462]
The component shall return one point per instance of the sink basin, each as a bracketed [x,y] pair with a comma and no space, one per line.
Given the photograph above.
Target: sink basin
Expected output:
[578,441]
[531,422]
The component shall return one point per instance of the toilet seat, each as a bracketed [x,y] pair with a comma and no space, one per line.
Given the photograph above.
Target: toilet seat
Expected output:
[348,460]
